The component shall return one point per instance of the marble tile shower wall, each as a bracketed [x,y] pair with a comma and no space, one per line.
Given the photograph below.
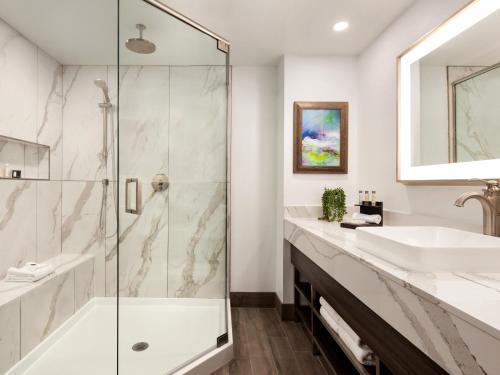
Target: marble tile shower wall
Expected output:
[197,245]
[173,121]
[42,219]
[84,167]
[31,97]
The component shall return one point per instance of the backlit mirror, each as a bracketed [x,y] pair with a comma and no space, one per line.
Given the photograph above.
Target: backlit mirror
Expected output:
[449,100]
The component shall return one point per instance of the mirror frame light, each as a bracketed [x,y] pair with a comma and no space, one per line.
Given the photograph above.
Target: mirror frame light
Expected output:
[439,174]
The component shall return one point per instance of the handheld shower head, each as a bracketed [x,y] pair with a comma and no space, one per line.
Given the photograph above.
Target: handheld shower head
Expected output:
[104,87]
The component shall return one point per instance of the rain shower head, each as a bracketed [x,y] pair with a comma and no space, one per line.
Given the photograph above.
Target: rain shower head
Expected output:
[140,45]
[104,87]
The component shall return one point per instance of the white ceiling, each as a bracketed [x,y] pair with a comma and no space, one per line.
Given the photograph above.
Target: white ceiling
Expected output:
[260,31]
[72,31]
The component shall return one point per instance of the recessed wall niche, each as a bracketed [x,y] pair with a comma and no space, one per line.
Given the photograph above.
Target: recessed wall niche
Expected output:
[23,160]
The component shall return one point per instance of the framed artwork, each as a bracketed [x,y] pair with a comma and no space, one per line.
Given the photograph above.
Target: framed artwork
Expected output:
[320,137]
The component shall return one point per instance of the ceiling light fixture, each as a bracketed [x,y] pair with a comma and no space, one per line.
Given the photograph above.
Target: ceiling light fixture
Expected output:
[341,26]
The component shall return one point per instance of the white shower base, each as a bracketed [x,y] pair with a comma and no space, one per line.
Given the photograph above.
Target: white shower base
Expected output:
[177,331]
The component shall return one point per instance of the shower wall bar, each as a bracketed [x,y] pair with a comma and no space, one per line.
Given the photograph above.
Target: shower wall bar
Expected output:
[189,21]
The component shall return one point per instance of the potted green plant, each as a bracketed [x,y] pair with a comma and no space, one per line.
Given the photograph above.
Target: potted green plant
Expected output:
[333,202]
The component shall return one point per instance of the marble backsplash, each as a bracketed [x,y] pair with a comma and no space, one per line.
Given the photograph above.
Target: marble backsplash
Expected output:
[391,217]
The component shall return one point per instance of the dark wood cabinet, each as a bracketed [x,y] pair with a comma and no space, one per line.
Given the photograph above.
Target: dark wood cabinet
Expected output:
[394,354]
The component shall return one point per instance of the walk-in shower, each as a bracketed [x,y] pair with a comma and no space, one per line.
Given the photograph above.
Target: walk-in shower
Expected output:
[132,119]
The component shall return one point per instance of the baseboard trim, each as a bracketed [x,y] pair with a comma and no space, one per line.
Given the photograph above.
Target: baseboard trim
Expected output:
[252,299]
[285,310]
[263,300]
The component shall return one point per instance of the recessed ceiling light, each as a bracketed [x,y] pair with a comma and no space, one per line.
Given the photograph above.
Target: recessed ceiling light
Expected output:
[341,26]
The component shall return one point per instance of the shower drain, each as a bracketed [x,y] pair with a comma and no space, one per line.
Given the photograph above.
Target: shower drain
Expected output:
[140,346]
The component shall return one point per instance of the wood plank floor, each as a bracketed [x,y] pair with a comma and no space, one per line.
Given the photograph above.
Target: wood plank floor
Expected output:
[263,344]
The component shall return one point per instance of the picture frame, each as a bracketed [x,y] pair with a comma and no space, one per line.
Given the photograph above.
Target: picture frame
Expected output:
[320,142]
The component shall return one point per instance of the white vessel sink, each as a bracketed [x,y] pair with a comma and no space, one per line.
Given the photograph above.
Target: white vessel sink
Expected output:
[432,249]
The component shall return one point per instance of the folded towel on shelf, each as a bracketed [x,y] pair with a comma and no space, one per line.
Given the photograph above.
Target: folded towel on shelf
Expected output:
[372,219]
[363,354]
[341,322]
[30,272]
[353,221]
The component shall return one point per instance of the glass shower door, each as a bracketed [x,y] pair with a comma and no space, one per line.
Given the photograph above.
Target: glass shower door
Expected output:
[171,267]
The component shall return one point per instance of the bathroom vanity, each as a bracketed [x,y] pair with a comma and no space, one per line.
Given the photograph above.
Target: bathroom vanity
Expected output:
[415,322]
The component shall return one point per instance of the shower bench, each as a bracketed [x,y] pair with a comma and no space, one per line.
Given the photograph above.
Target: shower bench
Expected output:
[29,312]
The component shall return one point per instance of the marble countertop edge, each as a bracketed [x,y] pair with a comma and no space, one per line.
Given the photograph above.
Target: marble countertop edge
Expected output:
[418,283]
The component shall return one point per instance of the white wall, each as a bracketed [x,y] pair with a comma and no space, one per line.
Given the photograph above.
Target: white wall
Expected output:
[319,79]
[253,203]
[310,78]
[369,84]
[377,131]
[280,211]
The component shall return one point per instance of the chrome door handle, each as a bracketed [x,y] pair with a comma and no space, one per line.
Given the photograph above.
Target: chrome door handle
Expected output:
[138,196]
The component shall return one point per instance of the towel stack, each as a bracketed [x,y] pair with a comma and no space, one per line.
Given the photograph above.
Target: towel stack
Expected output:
[362,352]
[358,219]
[30,272]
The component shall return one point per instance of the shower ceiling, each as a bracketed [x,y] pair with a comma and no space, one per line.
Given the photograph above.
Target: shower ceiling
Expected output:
[77,32]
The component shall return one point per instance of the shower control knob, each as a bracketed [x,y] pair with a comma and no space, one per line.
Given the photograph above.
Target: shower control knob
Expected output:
[160,182]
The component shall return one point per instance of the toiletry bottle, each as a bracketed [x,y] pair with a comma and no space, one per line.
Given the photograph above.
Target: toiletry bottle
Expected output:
[6,171]
[374,198]
[360,196]
[367,196]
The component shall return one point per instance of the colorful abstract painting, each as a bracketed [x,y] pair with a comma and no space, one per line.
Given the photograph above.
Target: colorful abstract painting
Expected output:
[320,137]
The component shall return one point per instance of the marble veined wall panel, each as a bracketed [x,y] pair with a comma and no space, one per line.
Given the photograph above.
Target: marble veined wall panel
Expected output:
[197,147]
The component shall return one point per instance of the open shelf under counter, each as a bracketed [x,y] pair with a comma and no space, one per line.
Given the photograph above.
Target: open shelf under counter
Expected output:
[339,359]
[392,353]
[331,339]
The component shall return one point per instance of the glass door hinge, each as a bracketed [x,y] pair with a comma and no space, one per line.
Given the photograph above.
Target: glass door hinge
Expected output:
[222,340]
[222,46]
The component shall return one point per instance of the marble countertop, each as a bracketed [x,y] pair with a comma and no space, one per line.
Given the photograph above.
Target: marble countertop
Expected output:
[474,298]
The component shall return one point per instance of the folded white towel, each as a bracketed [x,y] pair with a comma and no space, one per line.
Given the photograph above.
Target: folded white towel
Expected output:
[341,322]
[363,354]
[30,272]
[372,219]
[353,221]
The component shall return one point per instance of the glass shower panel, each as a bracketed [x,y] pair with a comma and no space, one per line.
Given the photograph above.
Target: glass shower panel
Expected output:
[172,248]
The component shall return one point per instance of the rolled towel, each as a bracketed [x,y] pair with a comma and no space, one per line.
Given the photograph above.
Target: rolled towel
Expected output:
[354,221]
[341,322]
[372,219]
[363,354]
[30,272]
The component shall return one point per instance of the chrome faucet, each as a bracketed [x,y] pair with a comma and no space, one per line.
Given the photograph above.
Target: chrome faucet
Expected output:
[490,202]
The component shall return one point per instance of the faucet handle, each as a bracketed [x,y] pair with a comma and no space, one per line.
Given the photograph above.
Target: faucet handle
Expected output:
[491,185]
